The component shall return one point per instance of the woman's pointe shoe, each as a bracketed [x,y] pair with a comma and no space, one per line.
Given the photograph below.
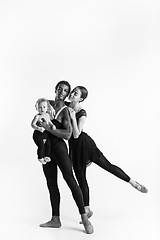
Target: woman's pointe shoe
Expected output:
[89,214]
[88,227]
[140,187]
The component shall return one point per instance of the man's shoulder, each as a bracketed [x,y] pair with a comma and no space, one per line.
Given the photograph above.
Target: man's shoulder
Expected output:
[51,102]
[66,103]
[65,113]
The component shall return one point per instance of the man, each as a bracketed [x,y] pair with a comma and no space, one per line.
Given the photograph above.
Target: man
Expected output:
[60,158]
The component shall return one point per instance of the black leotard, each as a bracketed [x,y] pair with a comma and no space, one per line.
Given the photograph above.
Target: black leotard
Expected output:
[83,149]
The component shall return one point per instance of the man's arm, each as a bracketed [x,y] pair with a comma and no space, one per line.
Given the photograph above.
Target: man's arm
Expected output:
[66,132]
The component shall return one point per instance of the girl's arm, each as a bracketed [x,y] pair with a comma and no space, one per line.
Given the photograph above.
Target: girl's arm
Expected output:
[34,124]
[64,132]
[77,127]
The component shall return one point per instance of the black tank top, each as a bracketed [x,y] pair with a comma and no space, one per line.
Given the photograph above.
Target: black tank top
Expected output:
[54,139]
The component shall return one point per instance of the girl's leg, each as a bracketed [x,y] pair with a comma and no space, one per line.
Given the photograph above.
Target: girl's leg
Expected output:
[47,147]
[47,150]
[38,139]
[47,143]
[106,165]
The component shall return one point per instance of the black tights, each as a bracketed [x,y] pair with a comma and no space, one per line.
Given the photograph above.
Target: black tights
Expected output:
[44,148]
[62,160]
[106,165]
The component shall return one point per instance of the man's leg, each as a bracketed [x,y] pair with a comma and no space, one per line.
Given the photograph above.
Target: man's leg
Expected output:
[64,163]
[50,172]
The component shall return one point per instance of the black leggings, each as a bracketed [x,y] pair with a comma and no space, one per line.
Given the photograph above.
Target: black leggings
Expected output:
[44,148]
[62,160]
[106,165]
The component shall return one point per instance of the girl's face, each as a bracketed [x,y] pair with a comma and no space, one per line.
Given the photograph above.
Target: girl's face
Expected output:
[75,95]
[42,107]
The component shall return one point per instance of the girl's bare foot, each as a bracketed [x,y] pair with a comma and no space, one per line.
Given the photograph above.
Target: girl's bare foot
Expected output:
[47,159]
[41,160]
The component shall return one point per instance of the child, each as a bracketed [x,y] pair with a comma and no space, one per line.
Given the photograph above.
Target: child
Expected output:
[40,135]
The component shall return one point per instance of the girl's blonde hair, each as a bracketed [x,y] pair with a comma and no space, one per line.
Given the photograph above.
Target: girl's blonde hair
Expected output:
[50,109]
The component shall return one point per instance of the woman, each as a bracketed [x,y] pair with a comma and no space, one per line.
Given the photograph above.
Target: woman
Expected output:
[83,149]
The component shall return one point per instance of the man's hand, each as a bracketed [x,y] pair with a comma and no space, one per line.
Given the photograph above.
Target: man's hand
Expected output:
[53,127]
[41,129]
[44,125]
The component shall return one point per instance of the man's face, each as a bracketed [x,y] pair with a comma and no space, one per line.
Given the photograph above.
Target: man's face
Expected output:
[62,92]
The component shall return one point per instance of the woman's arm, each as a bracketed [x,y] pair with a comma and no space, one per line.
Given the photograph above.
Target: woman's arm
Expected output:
[77,127]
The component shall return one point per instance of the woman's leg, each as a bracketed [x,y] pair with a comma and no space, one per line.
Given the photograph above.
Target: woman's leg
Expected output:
[118,172]
[106,165]
[82,181]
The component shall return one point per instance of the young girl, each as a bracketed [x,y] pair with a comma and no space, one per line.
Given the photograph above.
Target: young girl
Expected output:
[40,135]
[83,149]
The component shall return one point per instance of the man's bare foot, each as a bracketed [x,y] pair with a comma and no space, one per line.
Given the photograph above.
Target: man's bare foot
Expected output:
[53,223]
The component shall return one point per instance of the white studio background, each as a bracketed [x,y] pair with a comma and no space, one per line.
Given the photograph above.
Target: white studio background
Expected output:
[112,48]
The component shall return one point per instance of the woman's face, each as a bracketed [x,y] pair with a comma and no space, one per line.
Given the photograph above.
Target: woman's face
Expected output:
[75,95]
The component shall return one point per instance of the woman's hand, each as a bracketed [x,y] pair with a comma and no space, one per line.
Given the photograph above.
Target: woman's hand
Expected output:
[72,113]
